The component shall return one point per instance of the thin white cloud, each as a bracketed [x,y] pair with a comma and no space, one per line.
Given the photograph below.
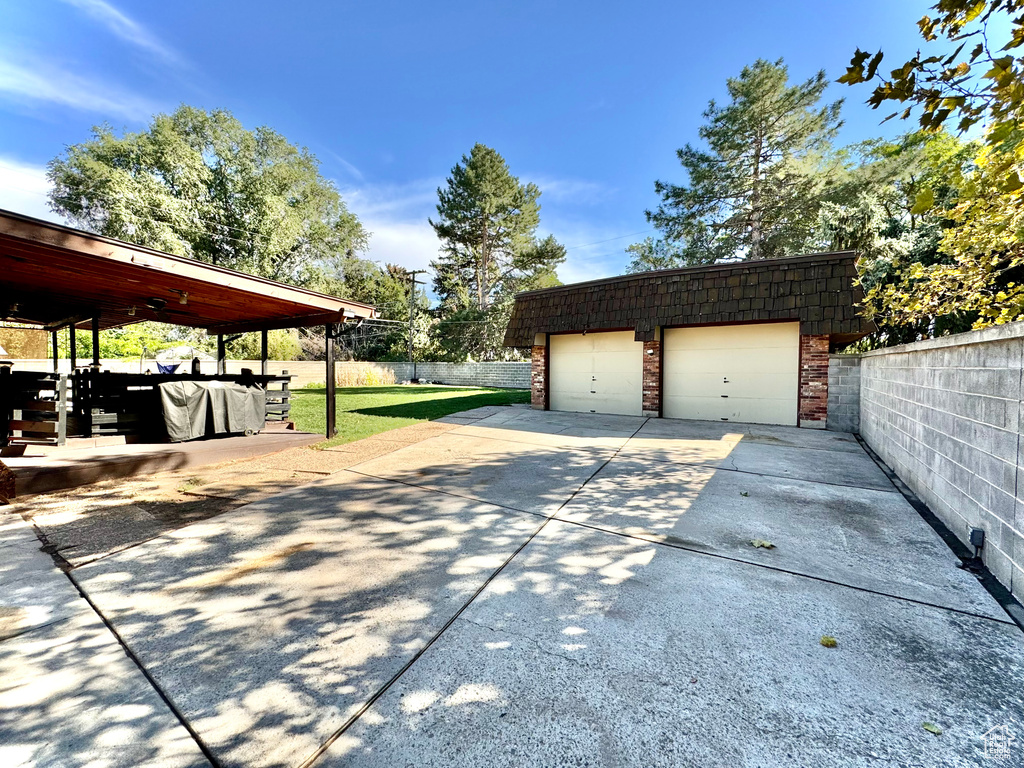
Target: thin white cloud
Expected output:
[350,169]
[23,189]
[594,251]
[125,28]
[410,244]
[35,82]
[414,200]
[396,215]
[572,191]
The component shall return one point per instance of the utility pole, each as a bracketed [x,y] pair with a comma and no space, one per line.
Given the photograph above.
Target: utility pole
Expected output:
[411,274]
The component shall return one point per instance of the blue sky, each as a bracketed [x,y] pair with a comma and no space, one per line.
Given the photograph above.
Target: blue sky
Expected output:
[589,100]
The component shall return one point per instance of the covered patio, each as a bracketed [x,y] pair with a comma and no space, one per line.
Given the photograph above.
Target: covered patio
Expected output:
[67,281]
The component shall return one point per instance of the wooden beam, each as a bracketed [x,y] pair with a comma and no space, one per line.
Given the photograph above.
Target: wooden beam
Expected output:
[107,259]
[96,343]
[332,404]
[72,348]
[300,321]
[222,363]
[56,354]
[263,352]
[56,325]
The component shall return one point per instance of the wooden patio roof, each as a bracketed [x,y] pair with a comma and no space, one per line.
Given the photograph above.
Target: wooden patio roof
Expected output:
[55,276]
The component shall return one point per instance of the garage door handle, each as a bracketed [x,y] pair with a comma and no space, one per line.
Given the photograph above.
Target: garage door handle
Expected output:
[724,395]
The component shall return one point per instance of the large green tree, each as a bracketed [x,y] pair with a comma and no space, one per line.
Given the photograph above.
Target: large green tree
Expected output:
[970,74]
[755,190]
[487,223]
[200,184]
[892,206]
[652,254]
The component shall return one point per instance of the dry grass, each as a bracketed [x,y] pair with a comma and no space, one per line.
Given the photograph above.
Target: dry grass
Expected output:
[363,375]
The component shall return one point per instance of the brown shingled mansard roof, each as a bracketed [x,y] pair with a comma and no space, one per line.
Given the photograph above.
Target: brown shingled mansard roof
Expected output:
[819,290]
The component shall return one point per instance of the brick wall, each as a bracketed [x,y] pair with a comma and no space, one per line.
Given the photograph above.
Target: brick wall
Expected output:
[946,415]
[652,378]
[843,393]
[813,407]
[539,377]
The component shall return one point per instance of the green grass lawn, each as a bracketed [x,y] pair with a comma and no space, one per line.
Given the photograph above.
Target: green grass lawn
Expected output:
[365,411]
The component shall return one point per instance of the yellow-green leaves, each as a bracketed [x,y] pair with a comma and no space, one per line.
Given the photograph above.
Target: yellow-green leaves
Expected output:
[924,201]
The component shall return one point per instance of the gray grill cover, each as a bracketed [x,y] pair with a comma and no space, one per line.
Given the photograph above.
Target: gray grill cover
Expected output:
[198,408]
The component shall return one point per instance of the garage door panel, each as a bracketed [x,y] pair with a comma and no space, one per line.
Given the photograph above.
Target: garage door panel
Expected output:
[768,386]
[714,337]
[774,360]
[732,373]
[596,372]
[737,409]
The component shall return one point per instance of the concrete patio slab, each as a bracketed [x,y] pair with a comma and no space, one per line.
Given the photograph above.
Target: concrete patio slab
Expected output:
[839,467]
[550,436]
[14,530]
[271,625]
[767,434]
[642,629]
[33,593]
[69,697]
[827,531]
[598,650]
[522,476]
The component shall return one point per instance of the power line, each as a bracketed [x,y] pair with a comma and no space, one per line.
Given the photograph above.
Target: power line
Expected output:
[610,239]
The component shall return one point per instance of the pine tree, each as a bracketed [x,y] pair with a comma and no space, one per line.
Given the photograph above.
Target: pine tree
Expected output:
[651,254]
[487,223]
[755,191]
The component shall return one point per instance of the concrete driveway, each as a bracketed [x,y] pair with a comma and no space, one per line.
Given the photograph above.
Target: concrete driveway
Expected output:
[542,589]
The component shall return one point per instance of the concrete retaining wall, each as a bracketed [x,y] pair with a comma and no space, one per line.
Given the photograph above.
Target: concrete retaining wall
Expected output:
[843,393]
[305,372]
[945,414]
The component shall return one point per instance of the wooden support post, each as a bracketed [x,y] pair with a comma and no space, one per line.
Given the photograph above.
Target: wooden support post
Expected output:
[331,403]
[56,354]
[5,405]
[263,352]
[62,409]
[96,343]
[72,350]
[222,363]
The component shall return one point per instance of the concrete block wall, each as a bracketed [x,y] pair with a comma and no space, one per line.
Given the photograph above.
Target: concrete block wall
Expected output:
[513,375]
[945,414]
[843,393]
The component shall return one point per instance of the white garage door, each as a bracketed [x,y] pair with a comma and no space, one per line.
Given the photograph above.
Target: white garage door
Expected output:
[732,373]
[596,373]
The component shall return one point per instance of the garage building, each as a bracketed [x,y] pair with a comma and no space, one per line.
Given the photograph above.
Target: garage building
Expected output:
[747,341]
